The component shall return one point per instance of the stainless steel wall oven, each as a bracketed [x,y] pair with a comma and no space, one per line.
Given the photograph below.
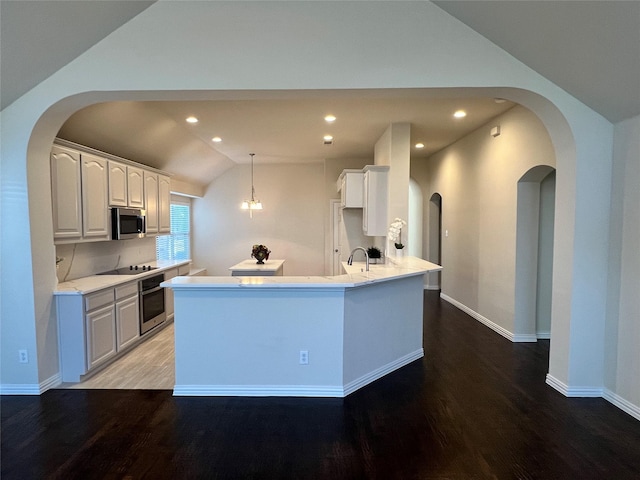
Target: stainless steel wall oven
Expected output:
[152,305]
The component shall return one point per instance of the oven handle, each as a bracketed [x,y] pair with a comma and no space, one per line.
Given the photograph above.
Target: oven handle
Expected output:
[146,292]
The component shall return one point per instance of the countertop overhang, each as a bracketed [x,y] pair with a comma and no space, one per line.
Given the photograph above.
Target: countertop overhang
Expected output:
[356,276]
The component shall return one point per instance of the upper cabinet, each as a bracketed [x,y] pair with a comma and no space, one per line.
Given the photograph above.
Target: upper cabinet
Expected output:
[126,185]
[375,198]
[135,187]
[95,212]
[79,184]
[164,204]
[118,184]
[151,201]
[66,194]
[350,185]
[84,186]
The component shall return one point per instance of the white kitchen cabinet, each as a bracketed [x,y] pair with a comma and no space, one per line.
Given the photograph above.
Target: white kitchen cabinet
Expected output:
[151,201]
[181,271]
[126,185]
[351,186]
[168,293]
[375,200]
[127,315]
[84,185]
[95,196]
[118,196]
[135,187]
[66,194]
[96,328]
[164,204]
[101,335]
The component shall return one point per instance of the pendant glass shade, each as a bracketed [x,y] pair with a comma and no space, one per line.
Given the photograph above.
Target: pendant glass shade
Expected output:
[252,204]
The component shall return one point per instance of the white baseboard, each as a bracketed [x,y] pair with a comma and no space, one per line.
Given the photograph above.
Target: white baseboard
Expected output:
[611,397]
[295,390]
[529,337]
[257,391]
[20,389]
[30,388]
[51,382]
[543,335]
[568,391]
[381,372]
[622,403]
[432,287]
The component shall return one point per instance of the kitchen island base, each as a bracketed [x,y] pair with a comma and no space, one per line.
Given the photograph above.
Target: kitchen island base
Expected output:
[251,339]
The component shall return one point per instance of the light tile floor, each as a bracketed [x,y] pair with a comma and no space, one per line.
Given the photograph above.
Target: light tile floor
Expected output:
[150,366]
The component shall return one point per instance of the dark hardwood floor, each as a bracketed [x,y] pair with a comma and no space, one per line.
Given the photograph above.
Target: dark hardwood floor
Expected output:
[476,407]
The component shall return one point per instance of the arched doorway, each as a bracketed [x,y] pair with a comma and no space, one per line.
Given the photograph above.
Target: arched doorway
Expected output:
[534,254]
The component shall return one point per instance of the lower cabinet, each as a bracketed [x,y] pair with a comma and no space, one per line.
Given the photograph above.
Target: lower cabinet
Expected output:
[181,271]
[94,329]
[168,293]
[127,316]
[112,321]
[101,335]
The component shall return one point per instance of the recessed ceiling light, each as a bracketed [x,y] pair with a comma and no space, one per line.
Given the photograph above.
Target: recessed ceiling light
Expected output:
[460,114]
[191,119]
[328,138]
[330,118]
[499,100]
[419,145]
[216,139]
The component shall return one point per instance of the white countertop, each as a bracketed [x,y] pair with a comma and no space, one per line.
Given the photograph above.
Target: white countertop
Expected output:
[395,268]
[253,266]
[93,283]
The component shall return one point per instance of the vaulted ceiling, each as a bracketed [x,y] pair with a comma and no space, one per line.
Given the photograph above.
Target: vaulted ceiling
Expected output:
[589,48]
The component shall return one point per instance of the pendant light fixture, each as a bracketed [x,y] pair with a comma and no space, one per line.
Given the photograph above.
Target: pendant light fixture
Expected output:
[252,204]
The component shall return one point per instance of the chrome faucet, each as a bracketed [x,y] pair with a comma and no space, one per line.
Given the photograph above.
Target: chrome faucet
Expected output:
[350,261]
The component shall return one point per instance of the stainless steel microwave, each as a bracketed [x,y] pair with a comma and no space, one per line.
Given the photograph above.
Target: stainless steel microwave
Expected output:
[127,223]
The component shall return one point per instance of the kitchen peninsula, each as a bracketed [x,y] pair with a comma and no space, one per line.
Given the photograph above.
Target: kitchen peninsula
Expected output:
[297,336]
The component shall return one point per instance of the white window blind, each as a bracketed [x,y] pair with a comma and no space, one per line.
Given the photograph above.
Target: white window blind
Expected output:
[177,245]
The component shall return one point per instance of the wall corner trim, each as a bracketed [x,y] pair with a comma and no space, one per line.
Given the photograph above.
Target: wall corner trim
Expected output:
[568,391]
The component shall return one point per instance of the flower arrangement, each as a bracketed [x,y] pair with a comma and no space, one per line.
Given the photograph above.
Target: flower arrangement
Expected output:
[395,232]
[260,253]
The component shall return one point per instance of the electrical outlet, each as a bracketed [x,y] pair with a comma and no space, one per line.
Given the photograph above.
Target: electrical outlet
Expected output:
[23,357]
[304,357]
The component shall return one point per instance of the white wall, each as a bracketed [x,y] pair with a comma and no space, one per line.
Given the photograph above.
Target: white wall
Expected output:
[623,319]
[361,49]
[393,148]
[291,224]
[477,178]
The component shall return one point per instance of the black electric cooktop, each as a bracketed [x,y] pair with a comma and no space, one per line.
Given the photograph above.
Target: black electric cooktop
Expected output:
[130,270]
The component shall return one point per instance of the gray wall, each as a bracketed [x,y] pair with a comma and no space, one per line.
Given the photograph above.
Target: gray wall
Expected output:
[477,178]
[623,313]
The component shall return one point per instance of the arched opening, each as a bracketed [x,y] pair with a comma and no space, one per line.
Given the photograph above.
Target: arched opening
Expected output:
[534,254]
[435,239]
[42,254]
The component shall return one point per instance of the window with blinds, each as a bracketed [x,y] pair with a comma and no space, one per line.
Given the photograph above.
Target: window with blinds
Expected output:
[176,245]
